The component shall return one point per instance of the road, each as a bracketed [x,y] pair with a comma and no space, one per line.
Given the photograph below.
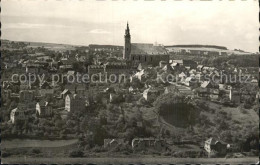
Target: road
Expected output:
[133,160]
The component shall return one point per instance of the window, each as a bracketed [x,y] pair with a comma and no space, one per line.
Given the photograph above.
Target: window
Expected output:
[139,58]
[151,59]
[133,58]
[145,58]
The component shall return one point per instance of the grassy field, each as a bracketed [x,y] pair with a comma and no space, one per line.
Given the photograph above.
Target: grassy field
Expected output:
[146,160]
[52,46]
[20,143]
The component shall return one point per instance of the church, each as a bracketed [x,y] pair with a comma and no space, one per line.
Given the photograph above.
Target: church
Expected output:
[144,53]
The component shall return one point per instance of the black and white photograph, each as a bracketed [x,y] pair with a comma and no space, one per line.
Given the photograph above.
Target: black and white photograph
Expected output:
[129,82]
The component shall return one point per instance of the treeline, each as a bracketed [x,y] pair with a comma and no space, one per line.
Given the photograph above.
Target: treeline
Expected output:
[237,61]
[199,46]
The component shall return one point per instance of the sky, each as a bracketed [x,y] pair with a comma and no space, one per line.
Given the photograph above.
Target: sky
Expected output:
[233,24]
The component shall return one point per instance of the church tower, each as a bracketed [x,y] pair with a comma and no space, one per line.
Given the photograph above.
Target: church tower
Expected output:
[127,46]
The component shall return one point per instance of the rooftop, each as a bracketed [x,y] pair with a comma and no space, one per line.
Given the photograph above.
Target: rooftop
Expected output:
[146,48]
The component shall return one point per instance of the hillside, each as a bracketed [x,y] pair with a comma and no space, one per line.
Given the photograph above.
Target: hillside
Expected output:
[233,125]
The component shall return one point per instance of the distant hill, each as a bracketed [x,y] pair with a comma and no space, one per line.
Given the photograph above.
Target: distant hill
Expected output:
[198,46]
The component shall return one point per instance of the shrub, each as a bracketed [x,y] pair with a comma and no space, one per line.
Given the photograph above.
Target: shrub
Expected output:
[76,153]
[35,151]
[6,154]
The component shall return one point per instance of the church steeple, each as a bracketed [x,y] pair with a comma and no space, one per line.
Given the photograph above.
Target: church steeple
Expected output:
[127,46]
[127,31]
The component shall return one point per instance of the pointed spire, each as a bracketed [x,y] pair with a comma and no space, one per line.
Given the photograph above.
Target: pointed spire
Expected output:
[127,31]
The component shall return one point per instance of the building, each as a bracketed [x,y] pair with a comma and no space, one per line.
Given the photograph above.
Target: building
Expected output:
[234,96]
[25,85]
[190,81]
[215,147]
[190,63]
[46,89]
[110,48]
[145,53]
[20,113]
[64,93]
[109,72]
[117,71]
[74,103]
[33,68]
[44,109]
[27,96]
[17,114]
[96,69]
[214,94]
[150,94]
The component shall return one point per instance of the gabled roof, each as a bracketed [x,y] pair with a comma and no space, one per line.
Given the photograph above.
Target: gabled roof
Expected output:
[145,48]
[182,74]
[71,72]
[43,103]
[205,84]
[65,91]
[45,85]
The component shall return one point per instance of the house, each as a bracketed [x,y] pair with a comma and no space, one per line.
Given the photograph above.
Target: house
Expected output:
[162,64]
[200,67]
[70,73]
[174,65]
[254,81]
[177,62]
[214,94]
[6,93]
[130,89]
[221,86]
[115,97]
[44,109]
[202,92]
[67,63]
[149,143]
[64,93]
[206,68]
[76,88]
[33,68]
[20,113]
[215,147]
[207,84]
[234,96]
[190,63]
[149,93]
[186,91]
[192,71]
[139,74]
[119,71]
[17,114]
[74,103]
[26,96]
[46,89]
[112,143]
[25,85]
[182,75]
[170,89]
[189,81]
[139,68]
